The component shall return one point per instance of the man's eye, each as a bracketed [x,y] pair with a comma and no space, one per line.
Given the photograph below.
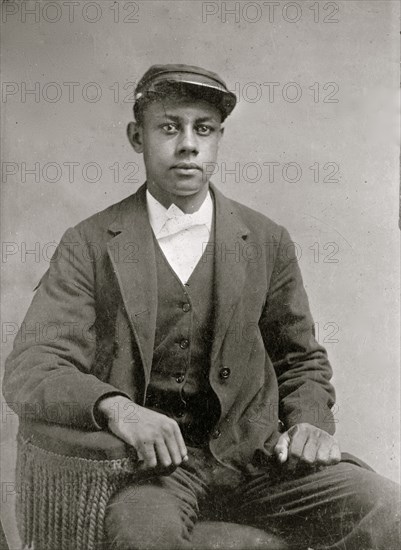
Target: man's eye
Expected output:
[204,130]
[169,128]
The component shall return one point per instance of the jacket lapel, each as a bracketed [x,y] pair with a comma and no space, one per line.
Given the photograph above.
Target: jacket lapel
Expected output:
[230,265]
[133,257]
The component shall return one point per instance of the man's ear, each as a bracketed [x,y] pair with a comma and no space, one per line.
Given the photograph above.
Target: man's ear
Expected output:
[221,133]
[135,136]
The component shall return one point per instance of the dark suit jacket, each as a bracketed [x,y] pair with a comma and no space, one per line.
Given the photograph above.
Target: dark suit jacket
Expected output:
[91,325]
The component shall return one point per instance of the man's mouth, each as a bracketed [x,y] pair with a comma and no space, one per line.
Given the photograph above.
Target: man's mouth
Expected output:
[186,166]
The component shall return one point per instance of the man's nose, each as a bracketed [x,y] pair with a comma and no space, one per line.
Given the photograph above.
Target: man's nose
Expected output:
[188,142]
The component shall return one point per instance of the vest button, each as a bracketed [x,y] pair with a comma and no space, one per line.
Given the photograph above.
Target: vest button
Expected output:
[186,307]
[184,343]
[180,379]
[180,414]
[225,373]
[216,434]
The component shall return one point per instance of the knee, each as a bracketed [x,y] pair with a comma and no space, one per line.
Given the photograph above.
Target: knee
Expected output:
[380,508]
[389,501]
[123,538]
[142,519]
[374,492]
[118,528]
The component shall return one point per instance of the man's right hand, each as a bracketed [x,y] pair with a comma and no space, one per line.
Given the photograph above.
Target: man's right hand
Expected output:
[156,438]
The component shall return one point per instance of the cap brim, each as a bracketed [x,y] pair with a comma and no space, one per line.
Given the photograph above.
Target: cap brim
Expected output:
[227,100]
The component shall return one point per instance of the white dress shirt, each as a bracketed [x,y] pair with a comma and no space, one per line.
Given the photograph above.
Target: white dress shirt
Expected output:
[182,237]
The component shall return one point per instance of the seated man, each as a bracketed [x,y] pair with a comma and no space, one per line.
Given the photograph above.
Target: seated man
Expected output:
[183,327]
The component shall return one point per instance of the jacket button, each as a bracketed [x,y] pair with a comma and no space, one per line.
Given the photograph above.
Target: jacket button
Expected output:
[180,379]
[216,434]
[225,373]
[184,343]
[186,307]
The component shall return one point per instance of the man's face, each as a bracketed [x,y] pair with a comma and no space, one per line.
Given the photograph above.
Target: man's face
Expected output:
[179,139]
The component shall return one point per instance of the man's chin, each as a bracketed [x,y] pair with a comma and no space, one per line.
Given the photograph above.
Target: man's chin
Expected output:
[188,186]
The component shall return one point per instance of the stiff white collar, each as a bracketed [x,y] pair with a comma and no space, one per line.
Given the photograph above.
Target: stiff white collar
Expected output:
[168,221]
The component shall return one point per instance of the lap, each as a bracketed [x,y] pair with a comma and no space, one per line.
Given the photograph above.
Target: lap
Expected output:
[340,480]
[311,503]
[321,505]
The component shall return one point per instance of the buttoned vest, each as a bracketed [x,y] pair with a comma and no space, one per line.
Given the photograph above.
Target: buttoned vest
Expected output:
[179,381]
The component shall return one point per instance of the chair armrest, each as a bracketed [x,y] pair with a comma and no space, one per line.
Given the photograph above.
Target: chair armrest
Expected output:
[65,478]
[68,441]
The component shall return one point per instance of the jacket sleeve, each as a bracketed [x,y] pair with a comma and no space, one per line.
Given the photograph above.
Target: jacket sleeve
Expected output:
[47,375]
[301,364]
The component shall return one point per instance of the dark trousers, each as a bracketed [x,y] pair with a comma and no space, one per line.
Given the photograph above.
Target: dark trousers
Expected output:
[336,507]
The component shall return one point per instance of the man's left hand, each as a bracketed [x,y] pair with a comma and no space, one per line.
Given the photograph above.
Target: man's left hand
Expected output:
[307,445]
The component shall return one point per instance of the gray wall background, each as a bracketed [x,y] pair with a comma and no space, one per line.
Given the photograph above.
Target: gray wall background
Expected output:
[344,224]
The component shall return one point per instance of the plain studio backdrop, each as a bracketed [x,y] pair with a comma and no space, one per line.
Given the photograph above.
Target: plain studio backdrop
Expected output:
[312,143]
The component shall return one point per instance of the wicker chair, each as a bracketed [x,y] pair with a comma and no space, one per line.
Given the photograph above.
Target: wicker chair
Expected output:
[66,478]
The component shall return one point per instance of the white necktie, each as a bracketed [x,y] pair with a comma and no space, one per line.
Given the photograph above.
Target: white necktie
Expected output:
[182,237]
[178,221]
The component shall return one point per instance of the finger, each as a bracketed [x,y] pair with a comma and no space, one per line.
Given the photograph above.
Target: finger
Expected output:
[163,455]
[310,450]
[335,454]
[323,453]
[297,443]
[281,448]
[180,442]
[148,453]
[139,457]
[173,448]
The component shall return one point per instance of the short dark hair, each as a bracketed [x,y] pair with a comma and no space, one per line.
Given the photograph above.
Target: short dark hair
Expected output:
[177,91]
